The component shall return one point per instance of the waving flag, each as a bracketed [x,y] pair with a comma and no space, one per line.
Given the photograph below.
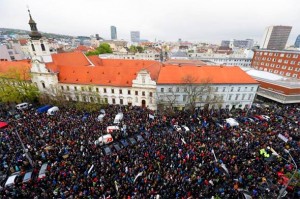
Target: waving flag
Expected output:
[138,175]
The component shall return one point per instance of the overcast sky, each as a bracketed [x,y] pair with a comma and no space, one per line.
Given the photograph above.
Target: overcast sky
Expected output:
[190,20]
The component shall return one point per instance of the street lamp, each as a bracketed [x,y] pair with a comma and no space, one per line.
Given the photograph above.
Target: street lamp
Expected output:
[282,190]
[25,150]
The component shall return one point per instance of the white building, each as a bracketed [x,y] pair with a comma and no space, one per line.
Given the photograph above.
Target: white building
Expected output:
[240,58]
[138,56]
[11,51]
[227,87]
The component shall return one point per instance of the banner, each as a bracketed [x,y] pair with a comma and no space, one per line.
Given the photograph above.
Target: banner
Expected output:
[151,116]
[282,138]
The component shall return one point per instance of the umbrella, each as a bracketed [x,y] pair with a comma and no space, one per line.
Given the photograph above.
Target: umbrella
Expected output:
[3,124]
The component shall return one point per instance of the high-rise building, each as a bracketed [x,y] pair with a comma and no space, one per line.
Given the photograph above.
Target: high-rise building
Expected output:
[235,43]
[113,32]
[297,42]
[135,36]
[275,37]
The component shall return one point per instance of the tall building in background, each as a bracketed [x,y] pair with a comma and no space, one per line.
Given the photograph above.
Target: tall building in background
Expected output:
[297,42]
[236,43]
[113,32]
[275,37]
[135,36]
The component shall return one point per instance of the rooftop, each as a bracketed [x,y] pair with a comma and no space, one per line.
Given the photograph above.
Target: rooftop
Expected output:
[272,78]
[172,74]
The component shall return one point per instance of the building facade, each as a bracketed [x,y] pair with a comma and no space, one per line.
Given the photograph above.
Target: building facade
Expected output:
[285,63]
[239,58]
[11,51]
[135,36]
[281,89]
[113,32]
[211,86]
[275,37]
[235,43]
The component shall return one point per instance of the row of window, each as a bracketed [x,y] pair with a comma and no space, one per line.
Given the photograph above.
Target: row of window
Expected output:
[288,74]
[42,46]
[213,98]
[279,60]
[214,89]
[104,100]
[288,55]
[105,90]
[278,66]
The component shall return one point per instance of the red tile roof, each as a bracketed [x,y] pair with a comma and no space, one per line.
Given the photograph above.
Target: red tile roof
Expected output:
[78,69]
[22,68]
[23,42]
[171,74]
[82,48]
[70,59]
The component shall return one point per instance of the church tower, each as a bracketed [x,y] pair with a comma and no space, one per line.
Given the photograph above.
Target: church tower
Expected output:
[45,80]
[38,45]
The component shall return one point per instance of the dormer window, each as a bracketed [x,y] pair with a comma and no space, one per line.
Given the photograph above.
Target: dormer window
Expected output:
[143,80]
[32,46]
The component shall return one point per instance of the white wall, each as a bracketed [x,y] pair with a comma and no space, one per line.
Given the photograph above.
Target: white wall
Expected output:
[245,94]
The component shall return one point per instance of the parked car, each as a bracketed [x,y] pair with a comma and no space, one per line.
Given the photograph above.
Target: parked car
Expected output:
[22,106]
[43,171]
[146,134]
[107,150]
[132,141]
[117,147]
[139,138]
[27,177]
[11,180]
[124,143]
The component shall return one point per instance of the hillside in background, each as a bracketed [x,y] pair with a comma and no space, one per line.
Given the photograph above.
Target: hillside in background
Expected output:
[10,31]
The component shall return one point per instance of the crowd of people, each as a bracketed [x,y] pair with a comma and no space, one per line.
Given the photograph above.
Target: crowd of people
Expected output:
[212,160]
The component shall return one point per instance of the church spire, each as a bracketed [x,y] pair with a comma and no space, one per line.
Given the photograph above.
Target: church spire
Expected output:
[35,35]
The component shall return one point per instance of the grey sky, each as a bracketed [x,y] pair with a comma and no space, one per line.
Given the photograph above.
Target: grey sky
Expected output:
[192,20]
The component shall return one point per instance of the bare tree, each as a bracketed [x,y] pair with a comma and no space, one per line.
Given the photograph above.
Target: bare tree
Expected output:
[200,92]
[168,99]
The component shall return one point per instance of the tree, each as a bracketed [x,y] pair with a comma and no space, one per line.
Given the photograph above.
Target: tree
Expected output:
[140,49]
[15,88]
[133,49]
[102,49]
[200,93]
[167,101]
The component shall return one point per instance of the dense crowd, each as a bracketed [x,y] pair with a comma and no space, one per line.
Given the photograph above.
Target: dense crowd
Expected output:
[211,160]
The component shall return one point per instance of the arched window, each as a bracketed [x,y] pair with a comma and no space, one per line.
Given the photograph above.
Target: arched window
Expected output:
[43,47]
[32,46]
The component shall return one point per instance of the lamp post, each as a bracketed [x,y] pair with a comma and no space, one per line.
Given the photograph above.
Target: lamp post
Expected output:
[25,150]
[282,190]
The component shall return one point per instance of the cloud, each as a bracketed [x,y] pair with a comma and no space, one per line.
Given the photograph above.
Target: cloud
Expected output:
[169,20]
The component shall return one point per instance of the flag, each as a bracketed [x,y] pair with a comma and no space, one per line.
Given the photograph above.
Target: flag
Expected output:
[138,175]
[117,187]
[246,194]
[225,168]
[90,169]
[214,155]
[151,116]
